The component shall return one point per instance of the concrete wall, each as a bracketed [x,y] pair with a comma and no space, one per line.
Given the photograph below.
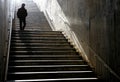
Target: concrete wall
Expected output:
[93,27]
[6,17]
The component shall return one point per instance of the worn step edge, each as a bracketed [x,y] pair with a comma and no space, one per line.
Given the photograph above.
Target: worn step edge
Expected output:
[39,47]
[45,56]
[51,72]
[37,35]
[46,60]
[43,51]
[43,66]
[13,40]
[40,39]
[27,36]
[40,43]
[60,79]
[33,31]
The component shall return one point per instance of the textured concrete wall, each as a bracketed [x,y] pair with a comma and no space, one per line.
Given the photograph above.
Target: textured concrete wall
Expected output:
[116,38]
[6,17]
[93,26]
[2,19]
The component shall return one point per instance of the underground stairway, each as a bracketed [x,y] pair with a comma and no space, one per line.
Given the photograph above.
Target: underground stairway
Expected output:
[45,55]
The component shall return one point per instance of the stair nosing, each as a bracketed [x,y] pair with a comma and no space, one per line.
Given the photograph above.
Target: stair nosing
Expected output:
[47,61]
[60,79]
[43,51]
[43,56]
[50,72]
[50,66]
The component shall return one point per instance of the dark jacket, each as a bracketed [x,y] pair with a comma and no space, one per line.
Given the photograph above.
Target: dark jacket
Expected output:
[22,12]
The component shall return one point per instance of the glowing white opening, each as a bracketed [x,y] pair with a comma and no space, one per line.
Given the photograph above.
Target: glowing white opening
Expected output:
[41,4]
[18,1]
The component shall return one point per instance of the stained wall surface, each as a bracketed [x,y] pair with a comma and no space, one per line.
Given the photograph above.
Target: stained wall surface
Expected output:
[93,27]
[6,17]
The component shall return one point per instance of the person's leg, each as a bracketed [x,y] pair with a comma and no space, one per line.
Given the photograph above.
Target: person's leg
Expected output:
[24,23]
[20,24]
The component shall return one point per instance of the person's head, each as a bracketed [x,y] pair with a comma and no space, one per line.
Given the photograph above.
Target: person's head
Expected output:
[23,4]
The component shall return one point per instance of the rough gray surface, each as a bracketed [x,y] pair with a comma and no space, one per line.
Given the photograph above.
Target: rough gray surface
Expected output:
[96,25]
[5,25]
[99,31]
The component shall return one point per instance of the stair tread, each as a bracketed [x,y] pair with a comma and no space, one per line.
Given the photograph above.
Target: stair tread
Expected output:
[39,43]
[49,66]
[50,72]
[56,79]
[45,68]
[34,31]
[40,38]
[63,41]
[43,51]
[37,35]
[49,75]
[46,60]
[44,56]
[56,48]
[29,41]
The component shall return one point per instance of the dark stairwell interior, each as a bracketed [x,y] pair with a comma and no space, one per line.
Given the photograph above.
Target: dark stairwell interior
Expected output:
[63,40]
[40,54]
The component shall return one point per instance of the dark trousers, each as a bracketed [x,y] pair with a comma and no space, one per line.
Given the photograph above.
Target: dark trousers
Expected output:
[22,23]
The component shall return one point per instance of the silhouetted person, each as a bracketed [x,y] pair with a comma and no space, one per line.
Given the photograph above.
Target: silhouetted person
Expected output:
[22,14]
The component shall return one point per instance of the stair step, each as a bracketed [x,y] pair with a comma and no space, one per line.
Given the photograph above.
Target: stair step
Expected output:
[46,62]
[50,56]
[37,35]
[49,75]
[14,57]
[50,72]
[43,40]
[52,43]
[58,79]
[49,68]
[43,52]
[31,54]
[29,31]
[41,48]
[30,45]
[43,45]
[35,32]
[40,43]
[52,39]
[30,37]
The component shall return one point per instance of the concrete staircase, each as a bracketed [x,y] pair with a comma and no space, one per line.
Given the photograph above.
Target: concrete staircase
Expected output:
[45,56]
